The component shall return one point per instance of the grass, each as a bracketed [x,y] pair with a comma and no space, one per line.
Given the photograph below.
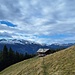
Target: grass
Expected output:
[59,63]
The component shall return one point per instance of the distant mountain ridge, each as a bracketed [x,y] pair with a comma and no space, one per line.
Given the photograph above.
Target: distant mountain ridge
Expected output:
[21,45]
[14,41]
[30,47]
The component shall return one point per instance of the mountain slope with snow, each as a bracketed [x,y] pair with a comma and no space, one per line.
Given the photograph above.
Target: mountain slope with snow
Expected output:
[25,46]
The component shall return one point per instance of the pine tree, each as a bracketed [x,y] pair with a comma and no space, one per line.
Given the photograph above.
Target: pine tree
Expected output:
[17,56]
[5,52]
[11,56]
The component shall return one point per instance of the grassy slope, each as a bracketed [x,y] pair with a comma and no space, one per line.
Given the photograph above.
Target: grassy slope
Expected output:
[59,63]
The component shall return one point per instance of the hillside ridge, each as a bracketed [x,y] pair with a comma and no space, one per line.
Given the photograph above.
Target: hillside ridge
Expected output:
[59,63]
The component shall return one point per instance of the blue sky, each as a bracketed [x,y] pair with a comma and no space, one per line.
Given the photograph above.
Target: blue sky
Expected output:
[43,21]
[7,23]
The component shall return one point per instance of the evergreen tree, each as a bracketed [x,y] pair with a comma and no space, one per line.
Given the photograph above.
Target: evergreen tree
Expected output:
[17,56]
[5,52]
[11,56]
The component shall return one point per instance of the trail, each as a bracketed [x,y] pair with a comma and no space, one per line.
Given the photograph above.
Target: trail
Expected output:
[44,67]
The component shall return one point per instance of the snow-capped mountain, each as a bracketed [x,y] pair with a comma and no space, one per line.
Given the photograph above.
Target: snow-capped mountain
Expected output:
[21,45]
[59,46]
[31,47]
[15,41]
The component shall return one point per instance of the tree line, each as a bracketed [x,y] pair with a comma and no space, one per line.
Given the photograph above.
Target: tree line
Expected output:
[9,57]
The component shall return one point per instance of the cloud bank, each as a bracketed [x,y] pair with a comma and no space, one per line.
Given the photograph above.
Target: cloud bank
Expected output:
[44,21]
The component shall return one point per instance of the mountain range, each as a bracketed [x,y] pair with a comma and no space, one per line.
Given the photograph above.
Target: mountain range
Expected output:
[30,47]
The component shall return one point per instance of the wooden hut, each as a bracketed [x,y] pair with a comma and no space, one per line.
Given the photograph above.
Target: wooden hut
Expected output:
[43,52]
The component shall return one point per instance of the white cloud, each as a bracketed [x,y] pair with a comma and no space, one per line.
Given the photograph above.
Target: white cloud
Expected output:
[38,17]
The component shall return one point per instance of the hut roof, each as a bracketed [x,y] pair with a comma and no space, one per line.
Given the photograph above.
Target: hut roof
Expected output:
[42,50]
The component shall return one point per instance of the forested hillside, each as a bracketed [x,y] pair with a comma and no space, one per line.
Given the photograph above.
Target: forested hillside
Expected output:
[9,57]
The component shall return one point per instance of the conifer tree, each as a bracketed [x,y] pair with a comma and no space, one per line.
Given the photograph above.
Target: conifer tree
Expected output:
[5,52]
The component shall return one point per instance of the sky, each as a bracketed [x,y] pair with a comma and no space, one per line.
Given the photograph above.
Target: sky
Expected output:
[42,21]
